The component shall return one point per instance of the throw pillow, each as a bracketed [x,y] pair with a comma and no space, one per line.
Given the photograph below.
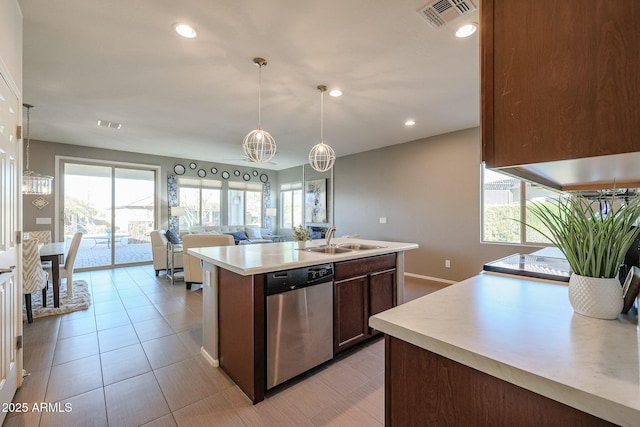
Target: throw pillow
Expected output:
[265,232]
[173,237]
[253,232]
[238,236]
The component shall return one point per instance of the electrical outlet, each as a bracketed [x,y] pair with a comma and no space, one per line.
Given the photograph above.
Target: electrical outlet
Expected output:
[383,220]
[447,263]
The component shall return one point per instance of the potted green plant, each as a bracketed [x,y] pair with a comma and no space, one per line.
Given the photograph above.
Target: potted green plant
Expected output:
[301,235]
[594,235]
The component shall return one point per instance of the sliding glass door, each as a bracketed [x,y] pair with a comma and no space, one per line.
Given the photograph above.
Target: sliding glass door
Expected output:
[113,207]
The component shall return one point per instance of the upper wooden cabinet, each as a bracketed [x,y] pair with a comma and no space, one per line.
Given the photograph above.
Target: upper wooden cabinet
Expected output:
[561,83]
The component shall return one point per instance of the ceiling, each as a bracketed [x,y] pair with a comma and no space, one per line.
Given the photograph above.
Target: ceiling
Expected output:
[121,61]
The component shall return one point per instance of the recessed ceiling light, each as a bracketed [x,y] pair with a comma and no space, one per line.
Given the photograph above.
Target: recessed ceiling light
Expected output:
[466,30]
[410,123]
[108,124]
[185,30]
[335,92]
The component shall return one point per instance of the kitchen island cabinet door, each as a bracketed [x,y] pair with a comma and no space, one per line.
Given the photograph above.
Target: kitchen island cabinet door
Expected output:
[382,292]
[559,80]
[350,317]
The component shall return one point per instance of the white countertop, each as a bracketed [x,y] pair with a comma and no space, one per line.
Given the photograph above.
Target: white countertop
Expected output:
[266,257]
[525,332]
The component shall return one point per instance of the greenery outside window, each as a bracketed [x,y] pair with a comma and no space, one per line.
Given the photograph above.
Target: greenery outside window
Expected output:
[201,199]
[245,204]
[504,209]
[291,202]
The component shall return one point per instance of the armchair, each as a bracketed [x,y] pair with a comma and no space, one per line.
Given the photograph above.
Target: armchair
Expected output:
[159,245]
[192,269]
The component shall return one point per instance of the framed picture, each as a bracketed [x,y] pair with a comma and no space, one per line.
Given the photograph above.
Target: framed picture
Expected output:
[315,201]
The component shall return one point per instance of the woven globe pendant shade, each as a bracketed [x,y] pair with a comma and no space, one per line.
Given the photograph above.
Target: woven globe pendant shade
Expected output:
[322,157]
[259,146]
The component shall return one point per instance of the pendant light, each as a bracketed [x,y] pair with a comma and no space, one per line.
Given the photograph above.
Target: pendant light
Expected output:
[34,183]
[322,157]
[259,146]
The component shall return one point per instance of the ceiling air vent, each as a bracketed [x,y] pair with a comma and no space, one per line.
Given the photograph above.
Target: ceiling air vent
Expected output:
[440,12]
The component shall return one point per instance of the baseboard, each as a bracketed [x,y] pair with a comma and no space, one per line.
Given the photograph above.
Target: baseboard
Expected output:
[213,362]
[433,279]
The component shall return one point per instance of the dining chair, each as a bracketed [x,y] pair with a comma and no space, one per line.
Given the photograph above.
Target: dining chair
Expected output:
[42,236]
[34,278]
[66,269]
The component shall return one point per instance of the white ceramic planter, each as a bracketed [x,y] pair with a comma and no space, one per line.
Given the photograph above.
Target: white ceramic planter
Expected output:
[595,297]
[303,243]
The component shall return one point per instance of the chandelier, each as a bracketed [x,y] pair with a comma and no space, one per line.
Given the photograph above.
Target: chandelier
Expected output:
[259,146]
[34,183]
[322,157]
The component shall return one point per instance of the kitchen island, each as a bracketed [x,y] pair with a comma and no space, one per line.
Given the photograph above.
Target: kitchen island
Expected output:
[369,278]
[507,350]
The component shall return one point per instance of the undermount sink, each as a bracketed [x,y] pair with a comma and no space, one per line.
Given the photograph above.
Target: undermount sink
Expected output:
[328,249]
[359,246]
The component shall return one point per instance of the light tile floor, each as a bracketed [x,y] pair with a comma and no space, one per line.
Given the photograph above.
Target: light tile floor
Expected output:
[133,358]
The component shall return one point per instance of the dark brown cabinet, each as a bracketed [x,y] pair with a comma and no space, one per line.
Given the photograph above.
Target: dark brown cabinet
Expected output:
[363,287]
[560,82]
[425,389]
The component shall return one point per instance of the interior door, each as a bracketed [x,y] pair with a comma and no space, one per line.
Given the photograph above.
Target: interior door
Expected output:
[10,282]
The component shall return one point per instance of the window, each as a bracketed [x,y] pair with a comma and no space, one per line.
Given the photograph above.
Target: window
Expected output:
[504,201]
[245,204]
[200,199]
[291,203]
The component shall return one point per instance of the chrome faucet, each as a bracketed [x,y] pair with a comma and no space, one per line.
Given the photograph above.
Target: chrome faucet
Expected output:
[329,234]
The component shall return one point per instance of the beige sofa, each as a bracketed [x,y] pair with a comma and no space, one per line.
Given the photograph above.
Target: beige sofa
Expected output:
[192,269]
[159,251]
[254,233]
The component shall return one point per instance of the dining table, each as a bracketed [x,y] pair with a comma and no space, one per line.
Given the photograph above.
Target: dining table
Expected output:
[53,252]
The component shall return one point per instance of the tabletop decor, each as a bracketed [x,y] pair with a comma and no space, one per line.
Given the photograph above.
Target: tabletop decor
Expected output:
[301,235]
[594,234]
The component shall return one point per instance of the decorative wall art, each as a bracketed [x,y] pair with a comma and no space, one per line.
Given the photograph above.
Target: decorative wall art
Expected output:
[315,202]
[40,202]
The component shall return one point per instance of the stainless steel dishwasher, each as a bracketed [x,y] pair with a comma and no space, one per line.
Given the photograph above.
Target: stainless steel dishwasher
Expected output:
[299,321]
